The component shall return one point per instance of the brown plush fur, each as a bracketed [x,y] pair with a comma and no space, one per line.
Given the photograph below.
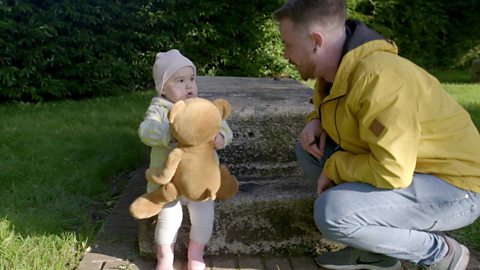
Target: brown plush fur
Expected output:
[191,169]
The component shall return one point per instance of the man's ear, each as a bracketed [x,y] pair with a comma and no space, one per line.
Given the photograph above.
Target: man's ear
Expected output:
[178,107]
[223,107]
[318,40]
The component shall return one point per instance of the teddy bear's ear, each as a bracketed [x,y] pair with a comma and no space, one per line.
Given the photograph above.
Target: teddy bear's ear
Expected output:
[224,107]
[178,107]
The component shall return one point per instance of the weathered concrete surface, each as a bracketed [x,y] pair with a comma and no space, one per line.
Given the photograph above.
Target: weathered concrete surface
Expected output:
[257,96]
[267,117]
[263,145]
[268,216]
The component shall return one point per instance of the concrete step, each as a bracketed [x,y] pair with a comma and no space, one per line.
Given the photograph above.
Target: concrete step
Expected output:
[263,145]
[267,117]
[272,213]
[268,216]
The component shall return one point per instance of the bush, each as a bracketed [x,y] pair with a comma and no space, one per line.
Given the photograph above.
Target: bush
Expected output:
[431,33]
[222,37]
[60,49]
[63,49]
[57,49]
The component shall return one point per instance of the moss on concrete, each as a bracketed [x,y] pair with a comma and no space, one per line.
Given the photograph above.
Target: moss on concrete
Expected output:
[263,145]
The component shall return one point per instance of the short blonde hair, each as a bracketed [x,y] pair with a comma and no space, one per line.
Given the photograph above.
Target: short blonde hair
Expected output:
[304,12]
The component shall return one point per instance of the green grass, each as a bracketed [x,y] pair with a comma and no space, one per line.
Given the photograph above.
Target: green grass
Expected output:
[57,162]
[469,96]
[56,166]
[452,76]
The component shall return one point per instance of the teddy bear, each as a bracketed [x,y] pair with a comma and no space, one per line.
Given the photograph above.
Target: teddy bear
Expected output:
[192,169]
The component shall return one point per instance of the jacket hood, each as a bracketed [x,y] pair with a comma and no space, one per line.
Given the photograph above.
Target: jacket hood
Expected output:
[361,42]
[160,101]
[358,34]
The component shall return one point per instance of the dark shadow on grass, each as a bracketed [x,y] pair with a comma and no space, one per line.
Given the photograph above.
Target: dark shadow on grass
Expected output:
[474,110]
[116,242]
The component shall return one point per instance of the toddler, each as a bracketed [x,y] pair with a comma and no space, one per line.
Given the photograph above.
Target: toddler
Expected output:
[174,76]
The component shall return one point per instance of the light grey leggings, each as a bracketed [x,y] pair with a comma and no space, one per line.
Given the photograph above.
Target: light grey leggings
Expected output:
[170,219]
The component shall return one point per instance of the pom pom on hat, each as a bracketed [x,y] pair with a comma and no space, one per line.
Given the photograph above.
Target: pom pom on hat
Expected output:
[166,64]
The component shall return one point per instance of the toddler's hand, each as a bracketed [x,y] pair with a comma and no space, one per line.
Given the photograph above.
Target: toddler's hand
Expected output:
[219,141]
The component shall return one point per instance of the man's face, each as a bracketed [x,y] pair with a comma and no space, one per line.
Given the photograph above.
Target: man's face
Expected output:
[181,85]
[298,48]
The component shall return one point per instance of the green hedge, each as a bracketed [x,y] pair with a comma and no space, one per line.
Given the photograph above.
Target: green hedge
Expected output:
[222,37]
[433,33]
[58,49]
[55,49]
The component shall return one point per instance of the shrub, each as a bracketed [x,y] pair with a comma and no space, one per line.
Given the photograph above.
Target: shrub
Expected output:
[55,49]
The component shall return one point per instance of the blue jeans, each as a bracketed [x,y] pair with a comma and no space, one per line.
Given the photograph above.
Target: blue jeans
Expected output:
[400,223]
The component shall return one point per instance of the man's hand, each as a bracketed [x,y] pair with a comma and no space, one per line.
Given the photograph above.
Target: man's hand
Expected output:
[219,141]
[323,183]
[312,138]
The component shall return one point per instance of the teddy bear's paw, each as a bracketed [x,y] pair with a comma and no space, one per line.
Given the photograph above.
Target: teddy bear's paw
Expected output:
[142,208]
[154,175]
[229,184]
[227,191]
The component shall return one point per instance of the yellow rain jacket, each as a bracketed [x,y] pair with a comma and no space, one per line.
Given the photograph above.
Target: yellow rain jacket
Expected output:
[391,118]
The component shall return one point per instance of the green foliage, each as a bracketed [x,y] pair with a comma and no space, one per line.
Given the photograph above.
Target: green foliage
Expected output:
[56,49]
[463,32]
[75,49]
[452,76]
[222,37]
[431,33]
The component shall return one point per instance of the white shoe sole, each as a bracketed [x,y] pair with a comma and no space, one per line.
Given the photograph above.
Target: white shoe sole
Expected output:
[464,258]
[397,266]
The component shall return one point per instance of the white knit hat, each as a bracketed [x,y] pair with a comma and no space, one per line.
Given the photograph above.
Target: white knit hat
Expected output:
[166,64]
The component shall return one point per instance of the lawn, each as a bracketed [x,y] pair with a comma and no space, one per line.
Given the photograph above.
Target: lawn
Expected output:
[57,163]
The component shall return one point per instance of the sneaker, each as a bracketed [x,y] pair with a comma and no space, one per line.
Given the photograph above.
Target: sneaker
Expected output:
[456,258]
[350,258]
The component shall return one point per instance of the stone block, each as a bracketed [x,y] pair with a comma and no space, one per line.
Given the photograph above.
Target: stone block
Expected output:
[250,262]
[272,213]
[268,216]
[267,117]
[263,145]
[277,263]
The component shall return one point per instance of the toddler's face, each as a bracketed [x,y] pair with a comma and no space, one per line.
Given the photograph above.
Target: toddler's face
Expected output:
[181,85]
